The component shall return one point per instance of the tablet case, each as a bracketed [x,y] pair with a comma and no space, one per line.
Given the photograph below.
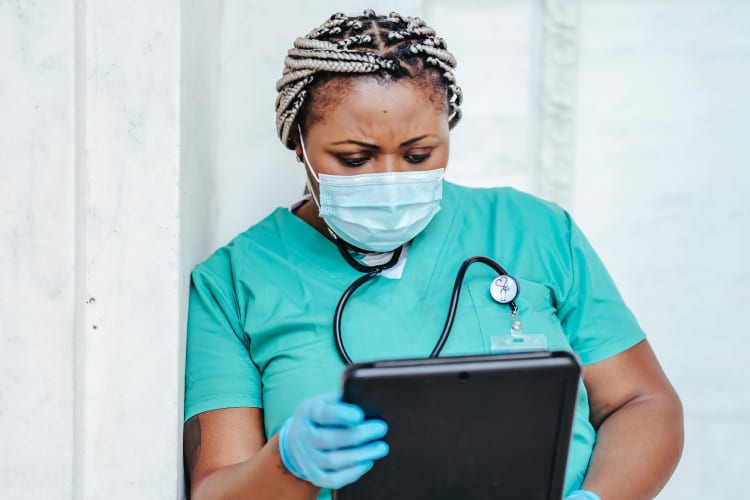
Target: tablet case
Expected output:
[469,427]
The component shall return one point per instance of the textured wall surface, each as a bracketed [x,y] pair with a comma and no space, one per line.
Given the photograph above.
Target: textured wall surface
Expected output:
[90,351]
[137,137]
[37,250]
[662,190]
[127,398]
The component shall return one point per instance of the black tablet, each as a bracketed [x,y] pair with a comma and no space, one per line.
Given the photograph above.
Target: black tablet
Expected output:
[469,427]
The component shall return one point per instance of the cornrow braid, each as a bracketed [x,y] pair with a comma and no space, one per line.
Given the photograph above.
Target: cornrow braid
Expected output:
[393,46]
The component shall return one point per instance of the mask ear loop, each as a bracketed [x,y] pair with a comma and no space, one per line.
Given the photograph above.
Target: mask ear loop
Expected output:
[309,168]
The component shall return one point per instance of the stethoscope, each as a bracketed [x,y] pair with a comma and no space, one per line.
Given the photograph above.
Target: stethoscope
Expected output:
[504,289]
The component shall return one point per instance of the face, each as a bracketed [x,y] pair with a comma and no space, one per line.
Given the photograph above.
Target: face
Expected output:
[376,127]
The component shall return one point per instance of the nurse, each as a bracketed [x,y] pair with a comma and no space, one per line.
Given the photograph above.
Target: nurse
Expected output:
[367,103]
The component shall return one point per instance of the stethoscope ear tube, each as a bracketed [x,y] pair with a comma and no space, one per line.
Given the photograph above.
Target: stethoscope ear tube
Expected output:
[340,310]
[372,272]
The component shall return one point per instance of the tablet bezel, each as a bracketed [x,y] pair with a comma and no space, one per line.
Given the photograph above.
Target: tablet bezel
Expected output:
[560,366]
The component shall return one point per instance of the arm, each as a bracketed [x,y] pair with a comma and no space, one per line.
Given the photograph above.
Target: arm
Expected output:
[639,422]
[227,456]
[326,443]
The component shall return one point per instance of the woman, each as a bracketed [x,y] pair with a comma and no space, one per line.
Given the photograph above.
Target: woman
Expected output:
[367,102]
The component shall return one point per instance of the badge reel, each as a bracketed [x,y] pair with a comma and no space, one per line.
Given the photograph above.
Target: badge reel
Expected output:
[504,290]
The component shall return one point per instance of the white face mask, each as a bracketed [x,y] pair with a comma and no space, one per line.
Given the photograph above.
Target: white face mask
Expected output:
[378,212]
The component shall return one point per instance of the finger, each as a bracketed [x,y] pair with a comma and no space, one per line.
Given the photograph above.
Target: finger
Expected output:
[326,411]
[331,438]
[341,478]
[341,459]
[321,399]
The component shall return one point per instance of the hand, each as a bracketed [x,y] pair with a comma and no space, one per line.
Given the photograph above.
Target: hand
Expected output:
[329,443]
[582,495]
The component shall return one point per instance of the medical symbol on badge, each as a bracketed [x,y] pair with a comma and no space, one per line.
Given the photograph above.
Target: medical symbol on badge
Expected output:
[504,289]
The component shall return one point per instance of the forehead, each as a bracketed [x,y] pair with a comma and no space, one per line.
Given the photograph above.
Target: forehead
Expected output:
[367,101]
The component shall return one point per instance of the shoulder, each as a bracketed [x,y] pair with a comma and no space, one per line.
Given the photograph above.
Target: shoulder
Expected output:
[233,258]
[508,204]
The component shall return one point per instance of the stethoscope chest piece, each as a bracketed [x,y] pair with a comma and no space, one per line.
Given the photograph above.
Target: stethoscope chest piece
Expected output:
[504,289]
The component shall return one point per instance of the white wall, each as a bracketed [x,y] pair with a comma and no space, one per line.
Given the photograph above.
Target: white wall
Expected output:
[663,181]
[90,350]
[136,137]
[37,249]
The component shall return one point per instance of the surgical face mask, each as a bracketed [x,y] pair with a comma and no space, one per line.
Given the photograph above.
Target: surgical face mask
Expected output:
[378,212]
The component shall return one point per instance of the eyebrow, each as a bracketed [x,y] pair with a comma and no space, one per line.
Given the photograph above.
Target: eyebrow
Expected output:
[373,146]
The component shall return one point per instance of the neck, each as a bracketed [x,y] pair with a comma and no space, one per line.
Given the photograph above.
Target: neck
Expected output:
[308,212]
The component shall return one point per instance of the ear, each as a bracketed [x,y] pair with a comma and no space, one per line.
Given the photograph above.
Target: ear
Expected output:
[294,139]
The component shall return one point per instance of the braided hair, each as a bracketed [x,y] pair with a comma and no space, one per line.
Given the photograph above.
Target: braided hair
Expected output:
[390,47]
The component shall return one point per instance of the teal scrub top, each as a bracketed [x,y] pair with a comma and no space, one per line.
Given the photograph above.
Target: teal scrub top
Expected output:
[261,308]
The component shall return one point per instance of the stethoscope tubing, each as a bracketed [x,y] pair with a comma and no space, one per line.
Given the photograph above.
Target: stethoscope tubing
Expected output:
[372,272]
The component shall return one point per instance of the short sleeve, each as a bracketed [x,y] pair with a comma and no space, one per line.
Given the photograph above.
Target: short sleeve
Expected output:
[593,314]
[219,372]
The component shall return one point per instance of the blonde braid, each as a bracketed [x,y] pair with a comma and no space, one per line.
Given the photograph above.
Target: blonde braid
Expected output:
[393,45]
[330,27]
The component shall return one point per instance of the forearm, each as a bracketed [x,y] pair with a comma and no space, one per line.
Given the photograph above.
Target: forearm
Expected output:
[637,448]
[262,477]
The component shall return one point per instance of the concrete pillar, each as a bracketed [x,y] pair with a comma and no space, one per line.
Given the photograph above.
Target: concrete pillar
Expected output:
[37,248]
[93,278]
[127,403]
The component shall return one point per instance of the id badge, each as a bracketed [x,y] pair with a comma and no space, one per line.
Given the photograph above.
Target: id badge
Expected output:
[524,342]
[516,340]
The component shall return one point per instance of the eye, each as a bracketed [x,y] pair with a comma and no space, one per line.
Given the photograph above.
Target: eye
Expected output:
[353,162]
[417,158]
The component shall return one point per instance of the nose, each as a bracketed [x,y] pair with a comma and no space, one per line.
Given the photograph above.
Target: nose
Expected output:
[392,163]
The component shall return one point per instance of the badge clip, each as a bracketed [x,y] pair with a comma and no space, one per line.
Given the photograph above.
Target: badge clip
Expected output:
[516,340]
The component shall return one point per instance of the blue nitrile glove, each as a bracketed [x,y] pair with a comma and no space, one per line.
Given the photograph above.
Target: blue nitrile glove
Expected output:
[329,443]
[582,495]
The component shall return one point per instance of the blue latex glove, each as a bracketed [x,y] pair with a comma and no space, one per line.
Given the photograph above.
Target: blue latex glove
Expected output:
[329,443]
[582,495]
